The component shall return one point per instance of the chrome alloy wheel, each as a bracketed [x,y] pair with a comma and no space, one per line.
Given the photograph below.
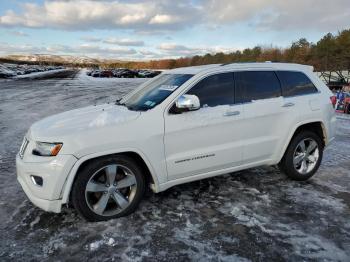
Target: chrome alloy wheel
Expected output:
[305,156]
[110,190]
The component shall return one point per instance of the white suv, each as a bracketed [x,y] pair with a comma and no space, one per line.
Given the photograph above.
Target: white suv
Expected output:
[186,124]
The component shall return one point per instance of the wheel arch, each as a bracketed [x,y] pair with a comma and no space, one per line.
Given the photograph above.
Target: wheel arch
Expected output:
[317,127]
[140,158]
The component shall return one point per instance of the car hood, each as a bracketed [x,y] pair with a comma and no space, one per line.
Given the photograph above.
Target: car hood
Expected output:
[81,120]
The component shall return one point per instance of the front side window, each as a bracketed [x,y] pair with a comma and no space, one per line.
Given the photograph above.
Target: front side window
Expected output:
[215,90]
[255,85]
[295,83]
[155,92]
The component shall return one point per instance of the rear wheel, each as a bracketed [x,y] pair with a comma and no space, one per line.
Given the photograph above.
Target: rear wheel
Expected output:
[303,156]
[108,188]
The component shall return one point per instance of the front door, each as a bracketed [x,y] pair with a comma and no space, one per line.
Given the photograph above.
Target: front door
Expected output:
[210,138]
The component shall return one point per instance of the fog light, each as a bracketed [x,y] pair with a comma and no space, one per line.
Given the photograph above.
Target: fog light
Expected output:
[37,180]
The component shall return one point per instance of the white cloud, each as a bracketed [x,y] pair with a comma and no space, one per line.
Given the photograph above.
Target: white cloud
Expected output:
[323,15]
[159,15]
[152,17]
[164,19]
[148,55]
[89,14]
[124,42]
[6,48]
[228,11]
[91,39]
[312,14]
[132,19]
[18,33]
[113,41]
[80,50]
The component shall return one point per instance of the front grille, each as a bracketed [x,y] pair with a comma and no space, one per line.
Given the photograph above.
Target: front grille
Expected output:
[23,147]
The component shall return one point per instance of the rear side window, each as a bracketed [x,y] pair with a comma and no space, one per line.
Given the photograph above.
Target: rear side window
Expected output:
[255,85]
[295,83]
[215,90]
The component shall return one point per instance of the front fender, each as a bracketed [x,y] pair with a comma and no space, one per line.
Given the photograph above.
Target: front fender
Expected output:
[70,178]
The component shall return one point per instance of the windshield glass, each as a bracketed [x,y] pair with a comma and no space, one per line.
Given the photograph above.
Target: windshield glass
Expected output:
[155,92]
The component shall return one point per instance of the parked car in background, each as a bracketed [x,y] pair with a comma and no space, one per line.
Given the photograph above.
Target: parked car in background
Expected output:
[117,71]
[106,73]
[8,70]
[122,73]
[148,74]
[6,73]
[184,125]
[96,73]
[129,74]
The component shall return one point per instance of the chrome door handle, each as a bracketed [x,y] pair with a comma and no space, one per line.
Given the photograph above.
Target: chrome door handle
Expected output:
[289,104]
[232,113]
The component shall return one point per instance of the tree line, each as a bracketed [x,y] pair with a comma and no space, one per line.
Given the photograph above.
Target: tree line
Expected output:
[331,52]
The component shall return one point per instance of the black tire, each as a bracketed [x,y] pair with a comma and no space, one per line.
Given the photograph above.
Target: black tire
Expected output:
[78,195]
[287,166]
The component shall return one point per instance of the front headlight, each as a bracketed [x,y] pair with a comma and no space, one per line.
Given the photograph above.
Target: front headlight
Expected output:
[47,149]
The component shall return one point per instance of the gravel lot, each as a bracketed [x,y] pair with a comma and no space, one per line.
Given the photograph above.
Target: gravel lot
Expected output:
[256,215]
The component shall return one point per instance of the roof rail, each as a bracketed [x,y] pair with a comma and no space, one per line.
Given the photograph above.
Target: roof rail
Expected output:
[246,63]
[237,63]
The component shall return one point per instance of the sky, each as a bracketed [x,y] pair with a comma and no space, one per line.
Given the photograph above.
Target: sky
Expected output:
[143,30]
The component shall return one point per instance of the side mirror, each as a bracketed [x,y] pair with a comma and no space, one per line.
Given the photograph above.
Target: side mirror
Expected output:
[187,103]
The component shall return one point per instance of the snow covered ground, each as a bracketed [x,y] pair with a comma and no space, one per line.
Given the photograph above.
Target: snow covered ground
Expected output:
[256,215]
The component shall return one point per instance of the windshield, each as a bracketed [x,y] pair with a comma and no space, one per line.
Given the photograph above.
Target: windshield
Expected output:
[155,92]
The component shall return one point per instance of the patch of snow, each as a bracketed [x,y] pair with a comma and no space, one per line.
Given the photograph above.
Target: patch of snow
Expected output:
[53,245]
[311,246]
[95,245]
[110,242]
[35,221]
[109,117]
[309,197]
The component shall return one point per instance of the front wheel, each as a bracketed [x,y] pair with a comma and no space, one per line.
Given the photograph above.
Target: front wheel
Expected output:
[303,156]
[108,188]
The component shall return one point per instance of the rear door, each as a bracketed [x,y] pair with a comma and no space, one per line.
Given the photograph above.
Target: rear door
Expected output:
[300,94]
[266,117]
[210,138]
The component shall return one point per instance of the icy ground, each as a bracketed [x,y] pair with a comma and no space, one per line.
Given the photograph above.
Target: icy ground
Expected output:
[256,215]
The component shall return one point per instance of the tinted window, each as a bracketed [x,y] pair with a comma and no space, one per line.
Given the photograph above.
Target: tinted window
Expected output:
[254,85]
[215,90]
[295,83]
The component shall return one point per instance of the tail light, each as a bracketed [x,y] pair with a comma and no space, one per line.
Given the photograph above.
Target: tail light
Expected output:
[333,100]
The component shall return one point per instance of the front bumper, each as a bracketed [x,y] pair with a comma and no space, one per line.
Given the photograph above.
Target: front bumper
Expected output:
[54,172]
[47,205]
